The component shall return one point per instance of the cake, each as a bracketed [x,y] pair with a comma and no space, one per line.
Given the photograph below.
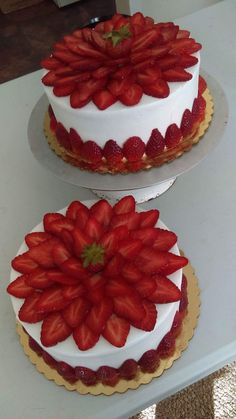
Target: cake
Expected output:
[99,290]
[124,96]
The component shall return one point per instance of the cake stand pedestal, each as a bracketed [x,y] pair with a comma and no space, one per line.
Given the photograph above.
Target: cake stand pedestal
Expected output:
[143,185]
[140,195]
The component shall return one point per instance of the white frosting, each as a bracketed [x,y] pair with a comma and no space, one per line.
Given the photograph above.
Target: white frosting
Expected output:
[120,122]
[103,353]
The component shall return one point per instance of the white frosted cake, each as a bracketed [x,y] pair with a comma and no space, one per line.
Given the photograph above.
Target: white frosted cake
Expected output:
[99,290]
[124,96]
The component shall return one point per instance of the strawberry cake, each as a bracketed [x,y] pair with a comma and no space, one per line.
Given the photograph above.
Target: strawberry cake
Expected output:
[99,290]
[125,95]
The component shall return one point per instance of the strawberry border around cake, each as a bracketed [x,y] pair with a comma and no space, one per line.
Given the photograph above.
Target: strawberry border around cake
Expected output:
[108,350]
[145,163]
[187,331]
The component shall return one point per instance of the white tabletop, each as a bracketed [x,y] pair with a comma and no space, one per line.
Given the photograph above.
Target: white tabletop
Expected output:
[200,207]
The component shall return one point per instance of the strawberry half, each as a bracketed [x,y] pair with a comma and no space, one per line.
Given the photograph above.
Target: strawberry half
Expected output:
[54,330]
[98,315]
[148,321]
[19,287]
[116,331]
[24,263]
[51,300]
[75,312]
[165,292]
[29,312]
[84,337]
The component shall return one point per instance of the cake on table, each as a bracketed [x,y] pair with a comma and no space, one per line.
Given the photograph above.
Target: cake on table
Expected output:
[124,96]
[99,290]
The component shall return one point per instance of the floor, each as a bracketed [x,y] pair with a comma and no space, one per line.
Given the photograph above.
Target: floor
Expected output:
[27,35]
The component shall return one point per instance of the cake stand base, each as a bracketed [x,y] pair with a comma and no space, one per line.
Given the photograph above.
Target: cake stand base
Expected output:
[140,195]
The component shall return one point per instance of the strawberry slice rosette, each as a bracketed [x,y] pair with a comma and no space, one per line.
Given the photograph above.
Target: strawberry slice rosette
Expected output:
[120,59]
[95,272]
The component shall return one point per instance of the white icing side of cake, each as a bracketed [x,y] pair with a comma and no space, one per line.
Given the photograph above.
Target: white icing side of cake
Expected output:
[120,122]
[103,353]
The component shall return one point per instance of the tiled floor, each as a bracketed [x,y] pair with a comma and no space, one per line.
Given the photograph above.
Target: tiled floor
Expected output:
[27,35]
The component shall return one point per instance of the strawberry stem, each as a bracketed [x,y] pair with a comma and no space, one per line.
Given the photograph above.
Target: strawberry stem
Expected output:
[118,36]
[92,254]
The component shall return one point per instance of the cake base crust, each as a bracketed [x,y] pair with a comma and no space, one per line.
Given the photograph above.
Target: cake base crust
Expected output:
[165,157]
[187,331]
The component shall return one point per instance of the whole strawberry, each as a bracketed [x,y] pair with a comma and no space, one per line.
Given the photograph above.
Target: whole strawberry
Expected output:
[134,149]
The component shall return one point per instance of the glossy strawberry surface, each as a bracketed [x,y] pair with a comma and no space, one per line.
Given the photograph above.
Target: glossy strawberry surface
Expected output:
[96,271]
[120,60]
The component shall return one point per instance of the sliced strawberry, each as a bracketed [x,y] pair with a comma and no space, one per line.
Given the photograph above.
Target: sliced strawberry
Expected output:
[108,375]
[174,263]
[102,72]
[145,286]
[84,337]
[98,315]
[65,90]
[49,78]
[57,226]
[150,261]
[59,46]
[102,211]
[75,141]
[24,264]
[70,292]
[165,292]
[186,125]
[60,254]
[65,56]
[159,51]
[147,235]
[124,205]
[50,63]
[148,76]
[98,40]
[93,228]
[117,286]
[103,99]
[54,330]
[68,241]
[85,49]
[132,95]
[49,218]
[143,65]
[173,136]
[76,311]
[86,375]
[114,266]
[81,239]
[122,73]
[57,276]
[113,152]
[85,64]
[182,34]
[91,152]
[176,74]
[80,98]
[164,239]
[35,238]
[184,46]
[202,85]
[86,35]
[168,61]
[149,218]
[131,273]
[97,295]
[169,33]
[75,209]
[38,279]
[74,267]
[28,312]
[149,361]
[118,87]
[19,287]
[51,300]
[187,60]
[94,282]
[129,248]
[145,39]
[159,89]
[116,331]
[62,136]
[131,220]
[128,369]
[128,307]
[148,321]
[137,19]
[64,71]
[155,144]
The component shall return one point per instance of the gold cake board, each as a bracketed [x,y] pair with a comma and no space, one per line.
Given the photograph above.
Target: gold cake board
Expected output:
[182,341]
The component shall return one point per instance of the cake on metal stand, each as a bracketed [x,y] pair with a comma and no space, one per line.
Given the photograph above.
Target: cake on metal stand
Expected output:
[143,185]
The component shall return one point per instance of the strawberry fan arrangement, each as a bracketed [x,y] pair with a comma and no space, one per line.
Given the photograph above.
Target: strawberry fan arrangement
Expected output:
[120,60]
[96,272]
